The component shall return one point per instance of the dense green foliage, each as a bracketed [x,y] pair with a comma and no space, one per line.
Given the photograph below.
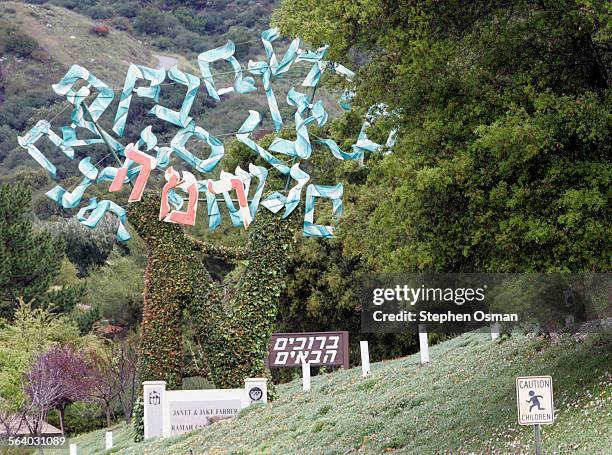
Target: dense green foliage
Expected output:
[502,163]
[116,290]
[80,417]
[29,261]
[324,292]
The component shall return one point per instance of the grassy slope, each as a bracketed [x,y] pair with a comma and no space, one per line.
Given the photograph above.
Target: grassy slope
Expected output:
[464,402]
[108,59]
[53,27]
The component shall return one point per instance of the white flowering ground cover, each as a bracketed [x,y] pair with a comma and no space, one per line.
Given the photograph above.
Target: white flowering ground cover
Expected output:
[464,402]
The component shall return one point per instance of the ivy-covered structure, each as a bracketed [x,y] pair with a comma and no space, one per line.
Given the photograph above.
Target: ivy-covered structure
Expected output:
[234,334]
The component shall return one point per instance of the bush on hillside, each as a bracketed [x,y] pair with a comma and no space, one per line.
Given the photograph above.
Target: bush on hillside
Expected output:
[164,43]
[128,10]
[69,4]
[20,44]
[150,21]
[122,23]
[99,12]
[80,418]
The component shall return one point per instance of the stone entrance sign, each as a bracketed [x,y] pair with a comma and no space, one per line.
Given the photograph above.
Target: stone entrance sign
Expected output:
[153,393]
[173,412]
[188,410]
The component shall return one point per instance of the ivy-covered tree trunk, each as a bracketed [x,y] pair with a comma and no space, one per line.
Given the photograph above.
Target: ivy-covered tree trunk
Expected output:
[171,270]
[234,340]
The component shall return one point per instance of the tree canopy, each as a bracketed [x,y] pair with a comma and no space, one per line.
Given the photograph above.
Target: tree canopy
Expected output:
[29,261]
[502,162]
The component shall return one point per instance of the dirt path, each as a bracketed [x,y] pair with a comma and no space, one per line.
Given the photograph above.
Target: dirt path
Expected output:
[165,62]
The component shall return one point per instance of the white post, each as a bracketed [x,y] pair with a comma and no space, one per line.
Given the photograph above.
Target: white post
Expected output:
[256,390]
[109,440]
[306,377]
[153,396]
[569,320]
[494,331]
[424,345]
[73,449]
[365,359]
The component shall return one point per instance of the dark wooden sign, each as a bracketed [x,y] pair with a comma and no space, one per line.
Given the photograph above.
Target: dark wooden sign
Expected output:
[291,350]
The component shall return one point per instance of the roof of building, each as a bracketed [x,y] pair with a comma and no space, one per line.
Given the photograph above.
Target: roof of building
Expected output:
[17,426]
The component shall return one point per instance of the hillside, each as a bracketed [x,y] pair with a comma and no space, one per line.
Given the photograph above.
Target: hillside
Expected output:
[62,38]
[464,402]
[65,39]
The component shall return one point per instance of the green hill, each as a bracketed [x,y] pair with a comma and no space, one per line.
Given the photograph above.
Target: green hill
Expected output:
[65,39]
[464,402]
[61,38]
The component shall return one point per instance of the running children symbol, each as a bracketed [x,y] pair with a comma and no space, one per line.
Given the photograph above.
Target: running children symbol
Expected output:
[535,401]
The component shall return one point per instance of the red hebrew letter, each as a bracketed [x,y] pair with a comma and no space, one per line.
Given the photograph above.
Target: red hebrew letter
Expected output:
[189,184]
[172,178]
[148,163]
[224,186]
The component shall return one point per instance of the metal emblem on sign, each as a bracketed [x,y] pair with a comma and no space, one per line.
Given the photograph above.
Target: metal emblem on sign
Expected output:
[255,394]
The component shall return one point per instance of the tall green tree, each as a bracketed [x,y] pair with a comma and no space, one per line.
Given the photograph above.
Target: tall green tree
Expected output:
[29,261]
[502,162]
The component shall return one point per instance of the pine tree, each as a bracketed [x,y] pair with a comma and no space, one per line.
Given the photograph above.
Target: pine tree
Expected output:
[29,261]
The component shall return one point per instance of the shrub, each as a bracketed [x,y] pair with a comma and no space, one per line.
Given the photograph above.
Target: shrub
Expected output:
[127,9]
[21,45]
[44,208]
[69,4]
[36,179]
[80,418]
[187,41]
[41,55]
[122,23]
[99,12]
[164,43]
[150,21]
[100,30]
